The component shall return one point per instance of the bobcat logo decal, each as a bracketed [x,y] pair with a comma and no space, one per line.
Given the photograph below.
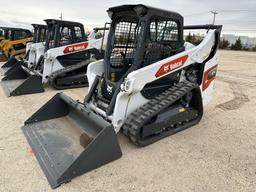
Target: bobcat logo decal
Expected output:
[109,89]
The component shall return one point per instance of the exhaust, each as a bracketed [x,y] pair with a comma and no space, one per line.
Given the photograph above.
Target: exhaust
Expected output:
[69,140]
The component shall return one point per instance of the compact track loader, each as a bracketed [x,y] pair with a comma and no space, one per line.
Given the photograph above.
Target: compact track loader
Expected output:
[62,63]
[151,84]
[34,48]
[15,43]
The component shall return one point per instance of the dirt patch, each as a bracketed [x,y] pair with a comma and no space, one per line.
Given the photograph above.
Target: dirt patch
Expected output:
[238,101]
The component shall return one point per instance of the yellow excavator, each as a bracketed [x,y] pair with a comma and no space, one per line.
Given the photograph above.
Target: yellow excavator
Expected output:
[14,42]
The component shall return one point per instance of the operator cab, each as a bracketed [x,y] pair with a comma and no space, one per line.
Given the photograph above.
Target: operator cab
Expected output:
[63,33]
[39,33]
[139,36]
[14,34]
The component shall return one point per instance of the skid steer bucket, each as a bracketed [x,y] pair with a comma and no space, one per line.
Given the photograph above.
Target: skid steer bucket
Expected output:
[68,139]
[8,70]
[21,81]
[9,64]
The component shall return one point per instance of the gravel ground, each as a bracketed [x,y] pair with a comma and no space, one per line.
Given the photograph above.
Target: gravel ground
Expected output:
[219,154]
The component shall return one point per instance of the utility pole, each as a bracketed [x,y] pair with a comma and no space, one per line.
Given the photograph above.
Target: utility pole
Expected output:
[60,16]
[214,16]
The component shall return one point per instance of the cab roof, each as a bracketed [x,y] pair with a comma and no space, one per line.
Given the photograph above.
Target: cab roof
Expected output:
[142,10]
[38,25]
[63,22]
[14,28]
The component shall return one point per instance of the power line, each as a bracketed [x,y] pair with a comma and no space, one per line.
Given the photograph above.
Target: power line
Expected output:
[244,30]
[221,11]
[237,10]
[196,14]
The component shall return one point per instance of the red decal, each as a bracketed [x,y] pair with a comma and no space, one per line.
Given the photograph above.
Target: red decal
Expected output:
[76,47]
[209,76]
[172,65]
[30,152]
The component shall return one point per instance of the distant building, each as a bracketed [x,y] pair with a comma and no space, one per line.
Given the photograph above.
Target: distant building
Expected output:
[248,42]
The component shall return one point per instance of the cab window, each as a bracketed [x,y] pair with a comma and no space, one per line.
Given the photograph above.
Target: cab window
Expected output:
[65,36]
[163,40]
[163,31]
[20,35]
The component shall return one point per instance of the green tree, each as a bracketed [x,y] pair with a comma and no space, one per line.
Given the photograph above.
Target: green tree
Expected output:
[224,44]
[194,39]
[98,35]
[254,48]
[238,45]
[189,37]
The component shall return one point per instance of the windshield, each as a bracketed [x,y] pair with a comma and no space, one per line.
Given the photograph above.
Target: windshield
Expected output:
[42,34]
[163,31]
[124,43]
[164,40]
[50,37]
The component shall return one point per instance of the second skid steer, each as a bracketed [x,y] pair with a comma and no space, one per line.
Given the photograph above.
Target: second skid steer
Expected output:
[63,64]
[33,49]
[151,84]
[15,43]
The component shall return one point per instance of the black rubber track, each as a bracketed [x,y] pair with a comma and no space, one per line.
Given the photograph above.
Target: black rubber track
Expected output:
[136,120]
[54,76]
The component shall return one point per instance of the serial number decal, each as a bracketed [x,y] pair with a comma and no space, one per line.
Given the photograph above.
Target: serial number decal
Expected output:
[76,47]
[172,65]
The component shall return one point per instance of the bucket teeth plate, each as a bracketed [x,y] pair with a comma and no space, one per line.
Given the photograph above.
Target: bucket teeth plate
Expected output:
[68,141]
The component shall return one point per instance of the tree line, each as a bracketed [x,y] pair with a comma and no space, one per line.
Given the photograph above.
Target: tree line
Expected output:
[224,44]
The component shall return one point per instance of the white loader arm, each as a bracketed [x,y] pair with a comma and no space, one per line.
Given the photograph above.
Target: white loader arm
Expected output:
[136,80]
[91,35]
[28,46]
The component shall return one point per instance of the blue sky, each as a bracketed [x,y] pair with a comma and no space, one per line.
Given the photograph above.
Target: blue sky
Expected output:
[237,17]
